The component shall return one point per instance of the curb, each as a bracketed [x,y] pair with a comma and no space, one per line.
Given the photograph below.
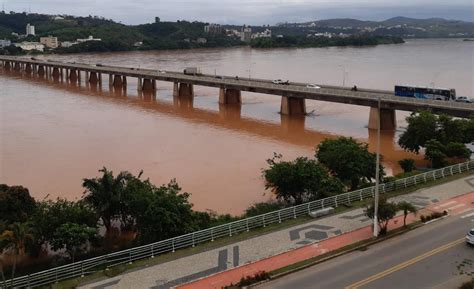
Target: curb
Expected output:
[369,243]
[437,219]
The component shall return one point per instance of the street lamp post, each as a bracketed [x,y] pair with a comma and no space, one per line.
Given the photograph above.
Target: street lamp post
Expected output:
[343,75]
[377,174]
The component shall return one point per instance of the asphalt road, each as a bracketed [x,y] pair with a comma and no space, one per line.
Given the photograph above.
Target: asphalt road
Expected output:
[429,257]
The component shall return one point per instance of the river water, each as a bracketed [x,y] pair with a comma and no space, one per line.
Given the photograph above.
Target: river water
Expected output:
[54,134]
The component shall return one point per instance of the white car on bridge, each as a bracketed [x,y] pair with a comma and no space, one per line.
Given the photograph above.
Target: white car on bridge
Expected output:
[470,237]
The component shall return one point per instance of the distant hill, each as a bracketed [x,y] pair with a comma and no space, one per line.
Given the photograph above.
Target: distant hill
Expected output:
[396,26]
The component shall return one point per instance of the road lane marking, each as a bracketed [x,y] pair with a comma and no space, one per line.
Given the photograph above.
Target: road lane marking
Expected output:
[455,207]
[404,264]
[467,216]
[445,204]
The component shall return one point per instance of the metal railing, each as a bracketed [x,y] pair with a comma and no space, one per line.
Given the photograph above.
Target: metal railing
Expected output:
[99,263]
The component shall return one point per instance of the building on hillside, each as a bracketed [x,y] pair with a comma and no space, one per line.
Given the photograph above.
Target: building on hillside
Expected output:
[213,29]
[28,46]
[246,34]
[5,43]
[201,40]
[157,19]
[50,41]
[265,34]
[90,38]
[67,44]
[30,29]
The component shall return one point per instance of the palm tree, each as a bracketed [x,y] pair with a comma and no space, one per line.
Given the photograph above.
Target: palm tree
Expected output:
[16,240]
[407,208]
[105,194]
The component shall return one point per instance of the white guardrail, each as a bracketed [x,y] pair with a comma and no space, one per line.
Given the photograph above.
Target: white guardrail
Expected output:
[99,263]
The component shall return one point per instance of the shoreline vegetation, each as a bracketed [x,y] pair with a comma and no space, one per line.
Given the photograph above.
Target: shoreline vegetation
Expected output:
[131,211]
[110,36]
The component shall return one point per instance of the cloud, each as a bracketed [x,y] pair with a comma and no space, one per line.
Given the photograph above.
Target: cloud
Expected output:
[248,11]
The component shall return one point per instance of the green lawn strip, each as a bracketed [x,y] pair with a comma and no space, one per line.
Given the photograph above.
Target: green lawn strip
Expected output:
[220,242]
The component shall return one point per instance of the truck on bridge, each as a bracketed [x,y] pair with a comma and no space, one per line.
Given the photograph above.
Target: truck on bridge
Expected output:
[192,71]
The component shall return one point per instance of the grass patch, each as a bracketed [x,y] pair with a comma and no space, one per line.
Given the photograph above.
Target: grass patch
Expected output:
[117,270]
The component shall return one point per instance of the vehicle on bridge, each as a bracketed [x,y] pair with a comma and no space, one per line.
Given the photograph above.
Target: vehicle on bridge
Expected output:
[423,92]
[464,99]
[470,237]
[192,71]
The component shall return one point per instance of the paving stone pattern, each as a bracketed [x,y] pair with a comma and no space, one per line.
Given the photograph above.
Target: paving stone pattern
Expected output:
[172,273]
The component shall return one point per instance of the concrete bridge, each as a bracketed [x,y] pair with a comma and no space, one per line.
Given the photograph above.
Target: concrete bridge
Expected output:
[293,96]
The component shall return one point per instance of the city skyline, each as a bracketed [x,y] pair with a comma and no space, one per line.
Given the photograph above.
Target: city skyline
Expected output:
[259,12]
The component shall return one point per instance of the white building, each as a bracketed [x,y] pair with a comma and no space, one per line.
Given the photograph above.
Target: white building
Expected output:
[90,38]
[4,43]
[213,29]
[30,29]
[50,41]
[265,34]
[30,46]
[67,44]
[246,34]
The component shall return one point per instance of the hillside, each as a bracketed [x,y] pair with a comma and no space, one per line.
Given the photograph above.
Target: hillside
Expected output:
[396,26]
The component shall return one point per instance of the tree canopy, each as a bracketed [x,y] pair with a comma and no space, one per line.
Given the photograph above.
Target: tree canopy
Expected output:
[348,160]
[300,180]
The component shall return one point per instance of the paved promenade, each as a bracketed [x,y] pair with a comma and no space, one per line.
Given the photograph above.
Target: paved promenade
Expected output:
[310,239]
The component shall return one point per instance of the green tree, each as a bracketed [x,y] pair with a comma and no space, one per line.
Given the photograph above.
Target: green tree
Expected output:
[159,212]
[16,204]
[407,208]
[72,237]
[408,165]
[300,180]
[16,240]
[422,127]
[434,152]
[105,194]
[51,215]
[348,160]
[386,212]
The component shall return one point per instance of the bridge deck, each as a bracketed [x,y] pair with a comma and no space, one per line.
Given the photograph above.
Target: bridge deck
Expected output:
[364,97]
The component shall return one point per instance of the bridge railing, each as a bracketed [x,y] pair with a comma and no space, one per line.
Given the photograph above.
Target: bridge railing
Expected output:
[99,263]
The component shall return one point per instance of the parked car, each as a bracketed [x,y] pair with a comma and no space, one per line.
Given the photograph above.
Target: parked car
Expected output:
[313,86]
[100,65]
[161,71]
[470,237]
[464,99]
[277,81]
[219,77]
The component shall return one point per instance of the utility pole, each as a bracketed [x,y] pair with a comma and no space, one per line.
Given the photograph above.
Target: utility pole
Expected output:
[377,175]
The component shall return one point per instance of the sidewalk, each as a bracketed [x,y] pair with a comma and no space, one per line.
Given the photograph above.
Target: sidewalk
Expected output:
[266,251]
[454,206]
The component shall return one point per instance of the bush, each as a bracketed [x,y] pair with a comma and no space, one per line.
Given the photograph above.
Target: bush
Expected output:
[432,216]
[467,285]
[262,208]
[408,165]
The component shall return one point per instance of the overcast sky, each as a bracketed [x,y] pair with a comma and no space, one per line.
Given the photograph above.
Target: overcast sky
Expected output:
[247,11]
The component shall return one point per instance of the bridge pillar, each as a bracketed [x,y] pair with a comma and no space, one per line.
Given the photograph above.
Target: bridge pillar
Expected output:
[93,79]
[229,96]
[388,119]
[230,112]
[182,89]
[7,65]
[147,85]
[56,73]
[41,71]
[119,82]
[17,66]
[100,79]
[28,68]
[72,75]
[292,106]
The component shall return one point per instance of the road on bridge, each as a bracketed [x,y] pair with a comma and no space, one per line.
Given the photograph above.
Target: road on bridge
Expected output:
[429,257]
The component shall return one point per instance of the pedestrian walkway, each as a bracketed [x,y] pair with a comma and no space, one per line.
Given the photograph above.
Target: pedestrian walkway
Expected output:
[310,239]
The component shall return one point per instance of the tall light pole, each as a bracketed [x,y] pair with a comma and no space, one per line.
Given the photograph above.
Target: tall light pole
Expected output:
[377,173]
[343,75]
